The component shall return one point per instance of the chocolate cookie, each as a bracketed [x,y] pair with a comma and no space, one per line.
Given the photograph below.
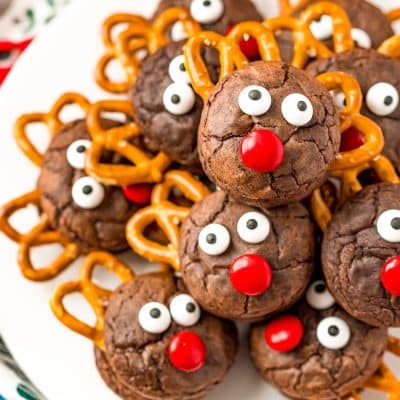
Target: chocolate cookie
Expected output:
[90,214]
[378,76]
[213,15]
[370,26]
[360,255]
[166,107]
[160,345]
[318,351]
[244,263]
[268,134]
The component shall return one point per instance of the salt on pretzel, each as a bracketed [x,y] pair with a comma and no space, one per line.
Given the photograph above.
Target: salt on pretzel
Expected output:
[139,35]
[39,235]
[144,168]
[167,215]
[51,119]
[94,294]
[348,165]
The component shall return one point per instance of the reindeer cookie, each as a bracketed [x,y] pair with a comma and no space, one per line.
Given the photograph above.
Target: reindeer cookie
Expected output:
[246,263]
[317,350]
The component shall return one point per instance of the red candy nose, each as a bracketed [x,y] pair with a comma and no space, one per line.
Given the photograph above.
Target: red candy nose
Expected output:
[187,351]
[390,276]
[284,333]
[139,193]
[249,47]
[250,275]
[262,151]
[351,139]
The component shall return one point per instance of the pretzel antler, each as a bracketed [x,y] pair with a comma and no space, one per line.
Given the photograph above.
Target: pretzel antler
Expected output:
[349,164]
[391,47]
[287,7]
[166,215]
[51,119]
[145,168]
[393,15]
[40,234]
[95,295]
[139,35]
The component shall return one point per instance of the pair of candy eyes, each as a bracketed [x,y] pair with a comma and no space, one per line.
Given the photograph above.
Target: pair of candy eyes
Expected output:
[86,192]
[252,227]
[323,30]
[382,99]
[296,109]
[155,317]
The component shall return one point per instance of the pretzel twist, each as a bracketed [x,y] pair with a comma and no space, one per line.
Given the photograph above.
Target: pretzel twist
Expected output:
[118,139]
[391,47]
[166,215]
[51,119]
[95,295]
[348,165]
[139,35]
[39,235]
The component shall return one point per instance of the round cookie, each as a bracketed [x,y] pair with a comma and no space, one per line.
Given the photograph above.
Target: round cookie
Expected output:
[166,107]
[244,263]
[317,351]
[160,345]
[362,236]
[85,211]
[213,15]
[274,148]
[378,76]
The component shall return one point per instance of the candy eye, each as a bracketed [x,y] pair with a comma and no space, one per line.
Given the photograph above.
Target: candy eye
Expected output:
[178,32]
[361,38]
[177,70]
[154,317]
[388,226]
[255,100]
[297,109]
[184,310]
[333,333]
[179,98]
[87,193]
[318,296]
[214,239]
[253,227]
[382,99]
[207,11]
[339,99]
[76,153]
[323,28]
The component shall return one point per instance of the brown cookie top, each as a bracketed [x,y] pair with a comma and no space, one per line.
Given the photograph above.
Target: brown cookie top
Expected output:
[166,107]
[361,237]
[244,263]
[317,350]
[79,206]
[215,15]
[289,129]
[147,325]
[378,76]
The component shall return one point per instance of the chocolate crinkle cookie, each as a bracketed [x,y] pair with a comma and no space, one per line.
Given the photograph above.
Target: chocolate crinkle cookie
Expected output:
[268,134]
[77,205]
[166,107]
[246,263]
[378,76]
[361,255]
[159,344]
[317,350]
[213,15]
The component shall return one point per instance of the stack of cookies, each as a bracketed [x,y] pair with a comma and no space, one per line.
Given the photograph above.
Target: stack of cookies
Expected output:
[256,164]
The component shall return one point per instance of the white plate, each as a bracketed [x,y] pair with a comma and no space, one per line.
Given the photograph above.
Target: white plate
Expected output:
[59,362]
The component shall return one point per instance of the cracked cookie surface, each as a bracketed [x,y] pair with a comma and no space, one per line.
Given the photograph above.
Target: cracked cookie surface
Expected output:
[353,254]
[140,360]
[312,371]
[100,228]
[289,250]
[308,150]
